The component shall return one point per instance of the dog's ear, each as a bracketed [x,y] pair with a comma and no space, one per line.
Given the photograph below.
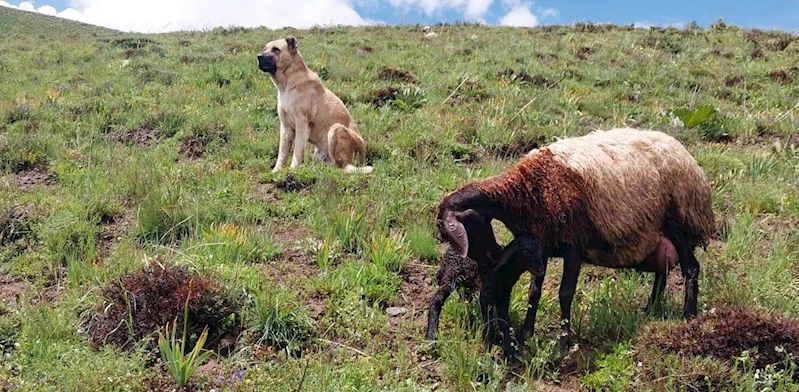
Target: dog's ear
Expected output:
[292,42]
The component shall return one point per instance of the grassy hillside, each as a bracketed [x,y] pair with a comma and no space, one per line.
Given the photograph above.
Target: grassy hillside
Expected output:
[136,174]
[15,22]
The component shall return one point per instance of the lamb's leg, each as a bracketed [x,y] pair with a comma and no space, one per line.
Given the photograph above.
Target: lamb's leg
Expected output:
[434,310]
[533,298]
[503,318]
[568,285]
[486,302]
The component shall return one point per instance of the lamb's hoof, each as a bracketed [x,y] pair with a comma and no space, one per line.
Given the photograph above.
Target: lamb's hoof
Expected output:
[511,356]
[521,340]
[564,344]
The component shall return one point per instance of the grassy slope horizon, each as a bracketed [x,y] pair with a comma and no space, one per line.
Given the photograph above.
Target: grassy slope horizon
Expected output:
[122,151]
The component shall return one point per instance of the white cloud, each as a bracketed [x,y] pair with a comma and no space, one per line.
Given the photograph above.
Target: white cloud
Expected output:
[643,25]
[27,6]
[519,16]
[472,9]
[475,9]
[170,15]
[550,13]
[47,10]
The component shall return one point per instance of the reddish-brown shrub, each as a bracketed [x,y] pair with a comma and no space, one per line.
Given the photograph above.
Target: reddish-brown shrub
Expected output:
[725,334]
[155,296]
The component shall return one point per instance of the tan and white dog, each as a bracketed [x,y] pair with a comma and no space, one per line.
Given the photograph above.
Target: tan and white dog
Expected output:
[309,112]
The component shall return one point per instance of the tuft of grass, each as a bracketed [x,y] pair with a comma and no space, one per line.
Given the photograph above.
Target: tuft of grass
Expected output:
[347,227]
[231,244]
[388,251]
[278,320]
[421,243]
[163,217]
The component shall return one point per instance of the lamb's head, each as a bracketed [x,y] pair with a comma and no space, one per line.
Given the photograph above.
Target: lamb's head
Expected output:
[468,231]
[526,252]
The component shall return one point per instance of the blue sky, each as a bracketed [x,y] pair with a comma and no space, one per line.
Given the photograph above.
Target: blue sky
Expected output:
[166,15]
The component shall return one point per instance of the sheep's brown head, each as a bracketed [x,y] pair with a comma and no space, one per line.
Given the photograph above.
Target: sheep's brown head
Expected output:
[469,233]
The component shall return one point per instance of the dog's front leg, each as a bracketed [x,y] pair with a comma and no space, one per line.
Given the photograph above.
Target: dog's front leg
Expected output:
[286,136]
[300,138]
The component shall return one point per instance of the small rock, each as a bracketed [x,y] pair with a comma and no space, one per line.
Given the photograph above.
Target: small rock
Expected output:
[395,311]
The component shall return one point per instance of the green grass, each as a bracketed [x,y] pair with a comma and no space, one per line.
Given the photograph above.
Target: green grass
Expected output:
[17,22]
[168,157]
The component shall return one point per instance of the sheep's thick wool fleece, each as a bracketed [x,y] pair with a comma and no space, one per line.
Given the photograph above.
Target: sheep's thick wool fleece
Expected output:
[625,180]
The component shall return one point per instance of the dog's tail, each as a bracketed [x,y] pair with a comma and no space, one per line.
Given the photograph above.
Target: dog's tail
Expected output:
[354,169]
[343,144]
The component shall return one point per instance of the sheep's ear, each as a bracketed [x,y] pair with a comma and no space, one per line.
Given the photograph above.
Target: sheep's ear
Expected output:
[456,233]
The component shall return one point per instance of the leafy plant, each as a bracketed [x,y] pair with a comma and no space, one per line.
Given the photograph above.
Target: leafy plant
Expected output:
[693,118]
[409,99]
[615,370]
[179,365]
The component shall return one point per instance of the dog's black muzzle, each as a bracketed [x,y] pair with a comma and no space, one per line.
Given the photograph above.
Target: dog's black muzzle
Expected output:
[266,63]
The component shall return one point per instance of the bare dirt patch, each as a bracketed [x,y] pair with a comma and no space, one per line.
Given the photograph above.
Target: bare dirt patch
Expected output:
[781,77]
[767,136]
[396,75]
[292,183]
[537,80]
[38,175]
[11,288]
[381,97]
[364,50]
[192,147]
[583,52]
[722,52]
[415,292]
[733,80]
[142,137]
[195,144]
[295,266]
[113,228]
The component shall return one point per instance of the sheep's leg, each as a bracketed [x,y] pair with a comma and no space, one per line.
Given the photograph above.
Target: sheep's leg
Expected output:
[434,311]
[533,298]
[690,269]
[658,288]
[568,286]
